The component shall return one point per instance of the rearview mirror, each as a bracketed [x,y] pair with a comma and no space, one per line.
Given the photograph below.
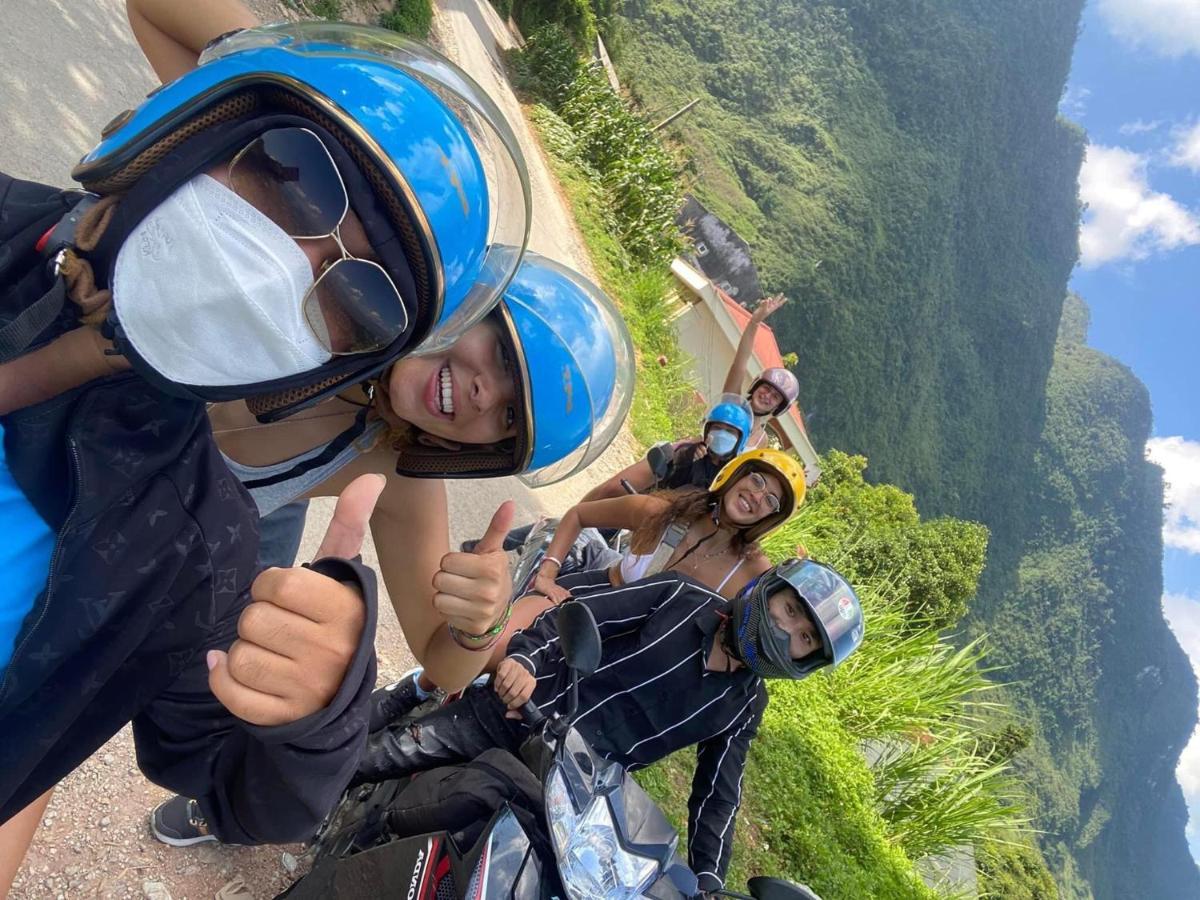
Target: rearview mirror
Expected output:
[580,637]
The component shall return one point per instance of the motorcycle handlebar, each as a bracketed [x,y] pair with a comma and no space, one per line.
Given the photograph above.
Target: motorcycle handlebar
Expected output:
[531,714]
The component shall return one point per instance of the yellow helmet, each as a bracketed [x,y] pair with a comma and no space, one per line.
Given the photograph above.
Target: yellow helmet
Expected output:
[789,471]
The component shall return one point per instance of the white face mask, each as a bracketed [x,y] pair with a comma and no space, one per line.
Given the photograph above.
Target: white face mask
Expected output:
[721,442]
[209,291]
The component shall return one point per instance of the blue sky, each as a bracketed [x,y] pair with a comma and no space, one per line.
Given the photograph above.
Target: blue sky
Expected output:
[1135,87]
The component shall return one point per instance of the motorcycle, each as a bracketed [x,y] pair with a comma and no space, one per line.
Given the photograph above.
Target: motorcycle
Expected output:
[590,832]
[594,548]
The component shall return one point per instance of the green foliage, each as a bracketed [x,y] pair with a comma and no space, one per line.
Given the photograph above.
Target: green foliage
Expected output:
[330,10]
[1076,317]
[1006,743]
[609,22]
[1079,631]
[665,402]
[637,177]
[933,565]
[575,17]
[916,149]
[807,810]
[410,17]
[1011,870]
[547,66]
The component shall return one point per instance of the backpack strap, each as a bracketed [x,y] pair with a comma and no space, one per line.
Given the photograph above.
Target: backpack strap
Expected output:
[671,539]
[20,332]
[17,335]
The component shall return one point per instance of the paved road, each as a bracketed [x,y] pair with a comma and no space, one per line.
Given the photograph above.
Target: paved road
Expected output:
[66,68]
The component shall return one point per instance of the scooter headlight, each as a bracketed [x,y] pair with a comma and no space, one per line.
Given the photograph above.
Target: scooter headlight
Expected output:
[591,861]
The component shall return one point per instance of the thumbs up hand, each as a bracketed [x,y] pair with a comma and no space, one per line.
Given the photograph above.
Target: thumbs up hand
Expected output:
[300,633]
[472,589]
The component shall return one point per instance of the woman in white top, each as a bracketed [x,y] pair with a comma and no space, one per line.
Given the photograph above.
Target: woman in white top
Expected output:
[710,535]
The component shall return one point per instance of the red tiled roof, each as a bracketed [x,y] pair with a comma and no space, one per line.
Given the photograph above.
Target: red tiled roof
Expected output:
[766,348]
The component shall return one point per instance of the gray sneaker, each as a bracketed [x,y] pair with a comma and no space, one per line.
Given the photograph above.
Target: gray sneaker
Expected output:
[180,823]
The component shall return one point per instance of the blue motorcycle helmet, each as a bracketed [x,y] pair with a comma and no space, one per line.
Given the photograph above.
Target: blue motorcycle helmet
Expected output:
[574,370]
[735,419]
[754,639]
[429,164]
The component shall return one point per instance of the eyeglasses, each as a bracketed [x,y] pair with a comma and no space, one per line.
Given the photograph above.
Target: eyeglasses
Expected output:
[758,485]
[288,174]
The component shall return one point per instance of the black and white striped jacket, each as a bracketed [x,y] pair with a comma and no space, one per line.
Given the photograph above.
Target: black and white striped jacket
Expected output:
[652,695]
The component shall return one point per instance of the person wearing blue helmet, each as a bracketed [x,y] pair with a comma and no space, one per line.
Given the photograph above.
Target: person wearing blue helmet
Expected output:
[693,462]
[726,428]
[281,223]
[560,407]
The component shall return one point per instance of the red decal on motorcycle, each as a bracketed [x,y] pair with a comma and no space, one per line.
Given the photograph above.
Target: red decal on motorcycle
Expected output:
[43,240]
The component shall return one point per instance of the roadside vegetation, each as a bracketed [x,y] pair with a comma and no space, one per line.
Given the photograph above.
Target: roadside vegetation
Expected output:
[919,151]
[623,188]
[916,705]
[409,17]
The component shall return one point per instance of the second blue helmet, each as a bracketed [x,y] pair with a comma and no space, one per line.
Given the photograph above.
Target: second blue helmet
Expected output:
[575,375]
[735,414]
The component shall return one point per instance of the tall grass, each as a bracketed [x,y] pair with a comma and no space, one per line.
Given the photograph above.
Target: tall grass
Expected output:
[665,402]
[914,701]
[410,17]
[636,174]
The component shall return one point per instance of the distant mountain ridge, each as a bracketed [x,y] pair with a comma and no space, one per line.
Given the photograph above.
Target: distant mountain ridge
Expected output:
[915,150]
[1082,631]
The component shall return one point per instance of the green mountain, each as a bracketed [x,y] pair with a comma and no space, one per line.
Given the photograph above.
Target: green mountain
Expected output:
[1081,634]
[900,170]
[912,149]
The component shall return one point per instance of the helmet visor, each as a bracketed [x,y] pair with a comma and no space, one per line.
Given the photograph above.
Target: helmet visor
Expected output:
[473,282]
[834,608]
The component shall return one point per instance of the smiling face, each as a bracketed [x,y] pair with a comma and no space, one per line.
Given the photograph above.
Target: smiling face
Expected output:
[465,395]
[764,399]
[752,498]
[791,617]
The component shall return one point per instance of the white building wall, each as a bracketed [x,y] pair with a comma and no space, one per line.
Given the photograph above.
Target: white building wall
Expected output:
[702,339]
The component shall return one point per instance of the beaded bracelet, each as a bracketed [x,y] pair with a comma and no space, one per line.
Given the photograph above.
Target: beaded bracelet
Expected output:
[494,632]
[458,638]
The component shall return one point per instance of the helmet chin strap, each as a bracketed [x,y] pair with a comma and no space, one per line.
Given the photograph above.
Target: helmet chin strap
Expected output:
[729,643]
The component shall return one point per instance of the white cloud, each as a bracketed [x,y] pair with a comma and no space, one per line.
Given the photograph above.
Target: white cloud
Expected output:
[1073,104]
[1125,219]
[1186,152]
[1139,126]
[1183,615]
[1180,460]
[1168,27]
